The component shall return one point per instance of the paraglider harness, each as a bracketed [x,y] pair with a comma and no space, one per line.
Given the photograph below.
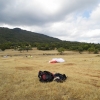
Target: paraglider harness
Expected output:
[46,76]
[60,77]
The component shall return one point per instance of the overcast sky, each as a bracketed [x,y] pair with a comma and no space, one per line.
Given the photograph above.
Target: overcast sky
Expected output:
[70,20]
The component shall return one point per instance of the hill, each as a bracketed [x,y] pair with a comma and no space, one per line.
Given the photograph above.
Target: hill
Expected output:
[19,35]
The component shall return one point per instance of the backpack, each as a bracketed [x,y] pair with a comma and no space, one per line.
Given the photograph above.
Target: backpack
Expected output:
[60,77]
[45,76]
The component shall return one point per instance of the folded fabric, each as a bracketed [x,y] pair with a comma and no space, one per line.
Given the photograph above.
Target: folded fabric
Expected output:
[56,60]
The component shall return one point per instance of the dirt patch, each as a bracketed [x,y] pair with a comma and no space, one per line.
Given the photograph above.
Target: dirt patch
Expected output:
[70,64]
[24,68]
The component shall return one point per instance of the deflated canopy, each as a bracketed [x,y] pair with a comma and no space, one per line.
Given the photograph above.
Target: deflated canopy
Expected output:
[57,60]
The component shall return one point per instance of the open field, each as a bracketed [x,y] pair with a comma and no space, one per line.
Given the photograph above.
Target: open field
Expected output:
[19,81]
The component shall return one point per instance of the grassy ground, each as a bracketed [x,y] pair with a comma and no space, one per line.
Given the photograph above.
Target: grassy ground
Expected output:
[19,81]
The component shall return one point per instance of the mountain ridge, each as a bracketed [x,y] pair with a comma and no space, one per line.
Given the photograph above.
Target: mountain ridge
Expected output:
[20,35]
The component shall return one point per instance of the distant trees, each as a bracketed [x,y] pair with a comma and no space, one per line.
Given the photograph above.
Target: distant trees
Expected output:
[91,49]
[61,50]
[45,46]
[96,51]
[24,47]
[2,47]
[16,46]
[5,46]
[59,46]
[80,49]
[23,40]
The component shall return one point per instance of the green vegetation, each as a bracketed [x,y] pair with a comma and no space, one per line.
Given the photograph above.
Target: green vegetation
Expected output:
[21,40]
[18,35]
[61,50]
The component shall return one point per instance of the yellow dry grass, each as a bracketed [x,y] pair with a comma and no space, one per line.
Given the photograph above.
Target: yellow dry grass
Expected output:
[19,81]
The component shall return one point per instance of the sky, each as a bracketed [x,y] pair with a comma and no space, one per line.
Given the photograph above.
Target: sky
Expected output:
[70,20]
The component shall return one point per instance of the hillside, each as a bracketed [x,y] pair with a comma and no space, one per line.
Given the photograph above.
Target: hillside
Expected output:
[19,35]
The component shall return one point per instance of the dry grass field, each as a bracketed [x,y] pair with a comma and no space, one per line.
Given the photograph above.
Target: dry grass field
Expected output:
[19,81]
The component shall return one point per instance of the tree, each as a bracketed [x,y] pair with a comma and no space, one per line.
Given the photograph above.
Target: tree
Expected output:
[91,49]
[85,46]
[28,48]
[96,51]
[61,50]
[20,49]
[80,49]
[3,47]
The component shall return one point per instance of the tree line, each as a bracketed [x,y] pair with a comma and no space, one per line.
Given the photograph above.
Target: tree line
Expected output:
[60,46]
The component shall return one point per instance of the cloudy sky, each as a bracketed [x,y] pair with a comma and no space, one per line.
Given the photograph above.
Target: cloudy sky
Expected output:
[70,20]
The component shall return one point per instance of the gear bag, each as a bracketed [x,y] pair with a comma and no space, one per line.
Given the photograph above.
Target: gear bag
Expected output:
[45,76]
[59,77]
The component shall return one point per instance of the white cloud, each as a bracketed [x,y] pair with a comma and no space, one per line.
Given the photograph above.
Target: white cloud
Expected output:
[77,20]
[95,15]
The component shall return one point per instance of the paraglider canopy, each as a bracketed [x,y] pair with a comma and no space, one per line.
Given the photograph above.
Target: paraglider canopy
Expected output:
[57,60]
